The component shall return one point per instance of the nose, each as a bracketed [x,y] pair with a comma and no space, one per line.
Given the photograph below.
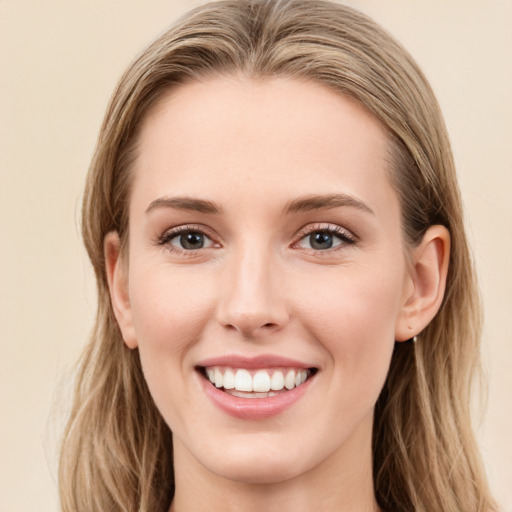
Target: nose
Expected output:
[251,295]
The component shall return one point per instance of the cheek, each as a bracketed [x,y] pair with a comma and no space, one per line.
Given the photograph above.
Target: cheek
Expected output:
[168,311]
[363,302]
[168,307]
[352,314]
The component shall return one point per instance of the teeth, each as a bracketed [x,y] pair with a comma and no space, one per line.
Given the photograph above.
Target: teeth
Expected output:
[243,394]
[289,380]
[243,381]
[277,381]
[218,378]
[261,381]
[259,384]
[229,379]
[301,377]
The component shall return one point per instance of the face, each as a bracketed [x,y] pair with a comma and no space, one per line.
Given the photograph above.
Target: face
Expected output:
[265,253]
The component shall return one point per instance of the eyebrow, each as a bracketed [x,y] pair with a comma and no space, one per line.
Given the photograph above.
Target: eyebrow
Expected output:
[185,203]
[318,202]
[301,204]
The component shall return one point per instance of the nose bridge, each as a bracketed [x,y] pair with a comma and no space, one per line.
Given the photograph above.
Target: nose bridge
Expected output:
[251,294]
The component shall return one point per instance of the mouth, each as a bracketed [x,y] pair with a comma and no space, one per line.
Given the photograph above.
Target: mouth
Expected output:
[256,383]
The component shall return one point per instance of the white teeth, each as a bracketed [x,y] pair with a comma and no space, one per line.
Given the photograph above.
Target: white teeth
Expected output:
[243,381]
[277,381]
[242,394]
[289,380]
[263,383]
[218,378]
[229,379]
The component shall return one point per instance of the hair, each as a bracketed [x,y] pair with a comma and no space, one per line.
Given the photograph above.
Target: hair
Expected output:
[117,449]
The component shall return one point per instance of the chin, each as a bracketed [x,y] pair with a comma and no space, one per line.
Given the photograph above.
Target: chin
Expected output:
[258,471]
[257,463]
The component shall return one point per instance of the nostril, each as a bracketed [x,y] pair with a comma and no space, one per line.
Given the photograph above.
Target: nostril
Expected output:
[250,328]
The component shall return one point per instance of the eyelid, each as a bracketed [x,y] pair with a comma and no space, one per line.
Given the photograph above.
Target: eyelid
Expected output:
[171,233]
[346,236]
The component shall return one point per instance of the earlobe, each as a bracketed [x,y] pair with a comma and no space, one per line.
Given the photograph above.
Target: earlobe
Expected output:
[428,273]
[116,269]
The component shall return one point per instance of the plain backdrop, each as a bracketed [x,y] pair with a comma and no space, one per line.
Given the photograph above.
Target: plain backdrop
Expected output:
[60,60]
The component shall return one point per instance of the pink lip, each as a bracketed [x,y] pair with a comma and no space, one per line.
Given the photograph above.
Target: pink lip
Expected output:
[262,361]
[254,408]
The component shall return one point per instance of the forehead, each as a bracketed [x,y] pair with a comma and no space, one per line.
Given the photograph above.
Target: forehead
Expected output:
[231,134]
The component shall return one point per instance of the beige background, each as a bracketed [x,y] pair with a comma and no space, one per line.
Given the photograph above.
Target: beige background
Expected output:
[59,61]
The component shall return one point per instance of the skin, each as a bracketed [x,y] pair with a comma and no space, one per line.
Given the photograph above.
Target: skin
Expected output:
[258,287]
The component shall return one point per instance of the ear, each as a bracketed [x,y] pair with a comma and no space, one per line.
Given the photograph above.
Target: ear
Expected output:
[429,268]
[117,270]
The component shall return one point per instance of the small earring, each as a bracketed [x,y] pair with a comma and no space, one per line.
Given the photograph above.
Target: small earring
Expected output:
[414,339]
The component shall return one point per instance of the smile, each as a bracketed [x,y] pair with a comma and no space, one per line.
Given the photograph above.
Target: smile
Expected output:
[255,388]
[256,383]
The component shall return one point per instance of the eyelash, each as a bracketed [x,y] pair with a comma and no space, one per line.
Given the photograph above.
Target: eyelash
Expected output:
[345,236]
[168,236]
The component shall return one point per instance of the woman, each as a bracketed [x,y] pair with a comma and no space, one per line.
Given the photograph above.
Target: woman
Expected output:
[287,307]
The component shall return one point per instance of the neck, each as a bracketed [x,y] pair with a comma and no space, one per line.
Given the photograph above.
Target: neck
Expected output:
[343,483]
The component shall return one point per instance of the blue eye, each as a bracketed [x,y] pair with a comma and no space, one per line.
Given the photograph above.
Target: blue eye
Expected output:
[189,241]
[324,239]
[321,240]
[186,240]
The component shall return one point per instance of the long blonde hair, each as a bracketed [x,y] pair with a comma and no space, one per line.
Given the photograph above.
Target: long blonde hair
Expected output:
[117,450]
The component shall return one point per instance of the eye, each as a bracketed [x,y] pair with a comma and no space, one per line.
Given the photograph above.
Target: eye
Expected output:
[186,239]
[190,241]
[322,240]
[325,238]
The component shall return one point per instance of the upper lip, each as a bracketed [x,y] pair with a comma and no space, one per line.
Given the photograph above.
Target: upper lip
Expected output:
[261,361]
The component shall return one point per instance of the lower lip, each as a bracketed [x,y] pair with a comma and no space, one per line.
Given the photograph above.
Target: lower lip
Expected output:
[254,408]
